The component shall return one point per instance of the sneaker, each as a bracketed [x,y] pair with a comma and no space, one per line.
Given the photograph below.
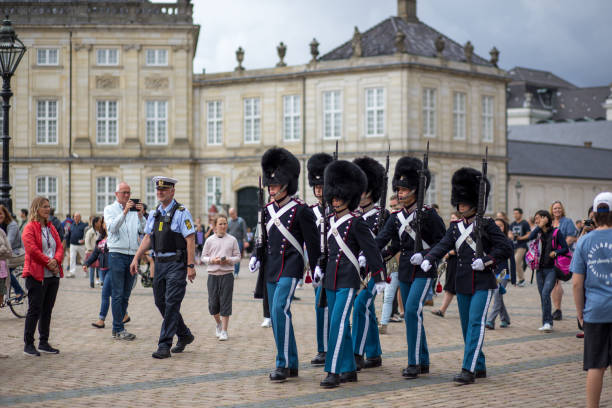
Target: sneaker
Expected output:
[547,328]
[521,283]
[223,336]
[504,324]
[98,283]
[438,313]
[46,348]
[235,276]
[218,330]
[490,325]
[124,335]
[557,315]
[428,302]
[580,335]
[382,329]
[30,350]
[266,322]
[395,318]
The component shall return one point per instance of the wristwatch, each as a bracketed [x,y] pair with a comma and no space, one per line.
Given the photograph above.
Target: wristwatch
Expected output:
[191,266]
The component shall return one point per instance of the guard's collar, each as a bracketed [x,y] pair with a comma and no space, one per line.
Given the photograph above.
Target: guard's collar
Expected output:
[367,207]
[282,202]
[411,208]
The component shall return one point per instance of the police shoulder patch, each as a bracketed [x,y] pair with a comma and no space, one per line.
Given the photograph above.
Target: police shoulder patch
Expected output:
[181,208]
[188,224]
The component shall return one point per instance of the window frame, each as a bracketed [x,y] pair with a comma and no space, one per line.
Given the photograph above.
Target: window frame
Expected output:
[107,52]
[150,193]
[51,196]
[155,122]
[335,114]
[216,184]
[47,52]
[156,53]
[47,120]
[295,118]
[108,196]
[107,120]
[376,109]
[216,122]
[429,112]
[459,116]
[431,194]
[254,119]
[487,118]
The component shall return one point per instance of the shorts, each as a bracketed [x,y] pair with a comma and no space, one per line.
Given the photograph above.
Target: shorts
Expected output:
[220,293]
[597,345]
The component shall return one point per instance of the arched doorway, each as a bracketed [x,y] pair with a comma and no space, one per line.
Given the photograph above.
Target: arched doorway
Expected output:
[247,205]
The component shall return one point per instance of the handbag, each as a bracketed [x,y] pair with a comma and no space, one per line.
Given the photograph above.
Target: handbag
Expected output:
[18,258]
[532,256]
[562,262]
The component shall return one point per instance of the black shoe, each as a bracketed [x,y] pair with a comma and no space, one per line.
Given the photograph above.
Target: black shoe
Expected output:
[279,375]
[411,372]
[91,285]
[348,377]
[359,362]
[319,359]
[30,350]
[46,348]
[464,377]
[480,374]
[424,369]
[182,343]
[557,315]
[331,381]
[293,372]
[372,362]
[162,352]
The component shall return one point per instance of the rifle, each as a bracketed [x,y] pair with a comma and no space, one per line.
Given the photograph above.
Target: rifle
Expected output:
[418,239]
[481,208]
[382,217]
[261,244]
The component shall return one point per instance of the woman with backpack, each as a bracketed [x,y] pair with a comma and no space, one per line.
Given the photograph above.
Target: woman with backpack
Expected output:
[551,244]
[100,254]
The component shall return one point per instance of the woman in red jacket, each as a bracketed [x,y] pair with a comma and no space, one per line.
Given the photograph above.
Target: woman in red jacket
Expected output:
[42,270]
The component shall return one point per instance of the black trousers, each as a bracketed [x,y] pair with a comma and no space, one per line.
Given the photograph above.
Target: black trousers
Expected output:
[41,298]
[169,283]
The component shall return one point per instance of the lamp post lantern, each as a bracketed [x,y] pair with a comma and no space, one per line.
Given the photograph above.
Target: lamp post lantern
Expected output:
[11,52]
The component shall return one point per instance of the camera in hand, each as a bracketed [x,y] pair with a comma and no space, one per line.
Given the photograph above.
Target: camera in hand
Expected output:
[223,258]
[136,201]
[589,223]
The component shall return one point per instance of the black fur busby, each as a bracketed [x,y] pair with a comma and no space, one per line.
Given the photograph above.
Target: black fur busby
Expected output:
[316,168]
[280,166]
[346,181]
[465,185]
[407,173]
[375,173]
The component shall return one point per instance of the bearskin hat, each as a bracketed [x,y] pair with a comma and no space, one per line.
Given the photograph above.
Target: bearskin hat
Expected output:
[407,173]
[280,166]
[465,185]
[346,181]
[316,168]
[375,173]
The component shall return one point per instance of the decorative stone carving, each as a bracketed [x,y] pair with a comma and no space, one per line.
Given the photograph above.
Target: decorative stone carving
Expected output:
[439,43]
[494,56]
[156,82]
[239,58]
[400,42]
[468,50]
[79,47]
[180,47]
[129,47]
[282,51]
[107,82]
[356,44]
[314,49]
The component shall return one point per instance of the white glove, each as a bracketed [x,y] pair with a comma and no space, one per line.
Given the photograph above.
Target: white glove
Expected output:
[426,265]
[362,261]
[478,265]
[254,264]
[380,286]
[416,259]
[318,277]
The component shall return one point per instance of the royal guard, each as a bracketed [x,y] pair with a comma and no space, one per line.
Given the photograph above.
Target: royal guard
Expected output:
[290,224]
[365,334]
[401,229]
[347,237]
[316,168]
[475,276]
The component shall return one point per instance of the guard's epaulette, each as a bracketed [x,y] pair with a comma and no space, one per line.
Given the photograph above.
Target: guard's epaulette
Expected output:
[271,202]
[427,207]
[355,214]
[181,208]
[299,201]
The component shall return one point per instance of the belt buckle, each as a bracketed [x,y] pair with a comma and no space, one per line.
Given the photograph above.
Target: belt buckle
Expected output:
[470,240]
[277,222]
[335,232]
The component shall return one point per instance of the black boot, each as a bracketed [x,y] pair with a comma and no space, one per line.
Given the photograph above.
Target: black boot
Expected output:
[319,359]
[348,377]
[480,374]
[372,362]
[182,343]
[162,352]
[464,377]
[411,372]
[359,362]
[293,372]
[424,369]
[331,381]
[279,375]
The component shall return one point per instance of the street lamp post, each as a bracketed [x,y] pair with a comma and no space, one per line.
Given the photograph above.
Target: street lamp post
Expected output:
[11,52]
[518,186]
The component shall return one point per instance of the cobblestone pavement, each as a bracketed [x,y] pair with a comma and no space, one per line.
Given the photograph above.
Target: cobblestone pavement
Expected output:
[525,367]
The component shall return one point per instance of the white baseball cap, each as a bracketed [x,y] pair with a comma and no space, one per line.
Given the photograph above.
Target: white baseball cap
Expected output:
[603,202]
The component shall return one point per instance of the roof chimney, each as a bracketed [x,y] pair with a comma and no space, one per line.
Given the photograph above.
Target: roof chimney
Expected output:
[608,105]
[406,10]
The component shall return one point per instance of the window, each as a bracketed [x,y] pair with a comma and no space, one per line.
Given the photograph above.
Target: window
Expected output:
[459,116]
[291,118]
[212,185]
[157,57]
[106,122]
[487,118]
[431,193]
[46,122]
[429,112]
[105,192]
[47,56]
[491,201]
[214,122]
[332,115]
[375,112]
[252,120]
[151,194]
[107,56]
[46,186]
[157,128]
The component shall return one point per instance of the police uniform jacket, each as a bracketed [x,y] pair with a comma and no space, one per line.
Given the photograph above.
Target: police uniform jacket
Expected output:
[168,227]
[283,259]
[496,247]
[340,271]
[432,231]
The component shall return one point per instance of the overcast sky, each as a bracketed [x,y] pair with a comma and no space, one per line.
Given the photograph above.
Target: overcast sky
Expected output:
[568,37]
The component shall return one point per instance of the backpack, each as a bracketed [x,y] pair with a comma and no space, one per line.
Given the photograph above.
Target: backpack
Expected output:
[532,256]
[562,262]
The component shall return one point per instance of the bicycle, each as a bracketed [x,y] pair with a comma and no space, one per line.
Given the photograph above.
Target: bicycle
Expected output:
[17,303]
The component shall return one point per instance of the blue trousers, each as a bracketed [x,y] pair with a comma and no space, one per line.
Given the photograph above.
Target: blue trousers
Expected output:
[340,358]
[366,339]
[413,296]
[546,279]
[122,283]
[107,286]
[322,315]
[169,283]
[237,265]
[280,295]
[473,313]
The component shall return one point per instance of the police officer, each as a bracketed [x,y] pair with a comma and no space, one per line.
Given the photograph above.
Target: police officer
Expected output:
[414,282]
[289,223]
[475,278]
[348,235]
[316,168]
[366,339]
[170,232]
